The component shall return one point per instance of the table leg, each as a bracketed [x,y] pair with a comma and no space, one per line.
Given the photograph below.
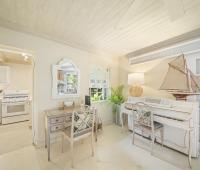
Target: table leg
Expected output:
[96,127]
[133,139]
[122,121]
[45,137]
[62,149]
[45,144]
[48,144]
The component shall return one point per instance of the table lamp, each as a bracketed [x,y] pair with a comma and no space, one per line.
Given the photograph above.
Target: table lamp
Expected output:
[135,80]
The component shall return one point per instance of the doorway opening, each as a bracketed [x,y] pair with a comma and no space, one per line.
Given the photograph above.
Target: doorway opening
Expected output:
[17,75]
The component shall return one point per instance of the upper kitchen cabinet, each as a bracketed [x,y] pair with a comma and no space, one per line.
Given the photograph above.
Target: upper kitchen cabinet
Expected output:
[4,75]
[66,79]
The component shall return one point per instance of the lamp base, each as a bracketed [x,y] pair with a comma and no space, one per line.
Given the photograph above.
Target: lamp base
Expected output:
[135,91]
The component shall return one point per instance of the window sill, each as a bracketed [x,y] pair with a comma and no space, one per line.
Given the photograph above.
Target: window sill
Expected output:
[100,101]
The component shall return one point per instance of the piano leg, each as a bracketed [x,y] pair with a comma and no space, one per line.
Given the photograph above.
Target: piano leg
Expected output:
[62,149]
[189,150]
[152,141]
[162,136]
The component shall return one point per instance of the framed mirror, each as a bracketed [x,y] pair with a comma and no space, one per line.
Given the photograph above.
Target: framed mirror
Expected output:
[66,79]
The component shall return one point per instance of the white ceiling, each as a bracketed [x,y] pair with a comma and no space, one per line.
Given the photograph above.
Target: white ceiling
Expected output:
[16,58]
[117,27]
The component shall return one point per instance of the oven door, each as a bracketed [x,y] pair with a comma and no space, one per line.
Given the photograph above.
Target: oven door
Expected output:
[14,109]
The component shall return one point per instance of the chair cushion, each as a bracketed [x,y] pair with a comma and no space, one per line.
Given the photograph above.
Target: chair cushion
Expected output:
[82,132]
[156,126]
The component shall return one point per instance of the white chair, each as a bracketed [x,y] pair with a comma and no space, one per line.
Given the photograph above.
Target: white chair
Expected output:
[143,120]
[82,127]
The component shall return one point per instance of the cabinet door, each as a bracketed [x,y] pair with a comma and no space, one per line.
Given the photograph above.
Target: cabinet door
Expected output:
[4,75]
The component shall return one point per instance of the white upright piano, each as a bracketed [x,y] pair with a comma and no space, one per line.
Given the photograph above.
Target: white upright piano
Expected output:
[177,117]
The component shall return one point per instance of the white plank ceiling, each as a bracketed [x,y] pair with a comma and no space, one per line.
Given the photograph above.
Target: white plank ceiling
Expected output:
[116,27]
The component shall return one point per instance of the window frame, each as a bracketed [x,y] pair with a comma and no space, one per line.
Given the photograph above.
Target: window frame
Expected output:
[96,83]
[55,68]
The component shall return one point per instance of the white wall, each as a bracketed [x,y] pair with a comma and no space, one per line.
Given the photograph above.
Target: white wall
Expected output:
[191,60]
[154,72]
[48,53]
[21,77]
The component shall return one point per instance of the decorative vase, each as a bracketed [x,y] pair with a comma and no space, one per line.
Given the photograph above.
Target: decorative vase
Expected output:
[116,114]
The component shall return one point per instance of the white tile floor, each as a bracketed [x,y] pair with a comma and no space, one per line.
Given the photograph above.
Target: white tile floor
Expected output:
[113,151]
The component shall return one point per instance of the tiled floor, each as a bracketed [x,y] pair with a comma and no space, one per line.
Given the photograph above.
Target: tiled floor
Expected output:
[15,136]
[113,151]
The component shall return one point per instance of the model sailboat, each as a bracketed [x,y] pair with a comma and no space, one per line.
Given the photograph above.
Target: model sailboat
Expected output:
[179,80]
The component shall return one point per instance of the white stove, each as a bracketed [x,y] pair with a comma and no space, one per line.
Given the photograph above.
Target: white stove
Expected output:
[15,106]
[11,96]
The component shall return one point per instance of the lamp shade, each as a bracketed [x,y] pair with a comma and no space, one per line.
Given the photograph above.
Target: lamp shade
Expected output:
[136,79]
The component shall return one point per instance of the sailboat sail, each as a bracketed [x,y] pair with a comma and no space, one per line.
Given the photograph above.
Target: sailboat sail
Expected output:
[174,80]
[179,78]
[179,63]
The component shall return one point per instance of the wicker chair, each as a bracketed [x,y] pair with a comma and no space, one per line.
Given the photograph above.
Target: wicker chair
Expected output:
[143,120]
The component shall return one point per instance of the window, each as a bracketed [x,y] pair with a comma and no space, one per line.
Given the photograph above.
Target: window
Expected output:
[99,84]
[98,94]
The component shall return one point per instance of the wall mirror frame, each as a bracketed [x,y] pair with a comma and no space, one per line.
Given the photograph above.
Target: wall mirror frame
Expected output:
[65,79]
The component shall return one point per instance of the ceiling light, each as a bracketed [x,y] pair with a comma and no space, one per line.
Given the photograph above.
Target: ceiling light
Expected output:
[25,58]
[24,54]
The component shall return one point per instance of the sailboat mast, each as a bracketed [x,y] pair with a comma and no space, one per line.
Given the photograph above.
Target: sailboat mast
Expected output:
[188,76]
[189,81]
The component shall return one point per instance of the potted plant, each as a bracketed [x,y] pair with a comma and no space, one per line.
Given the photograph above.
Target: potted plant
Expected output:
[117,99]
